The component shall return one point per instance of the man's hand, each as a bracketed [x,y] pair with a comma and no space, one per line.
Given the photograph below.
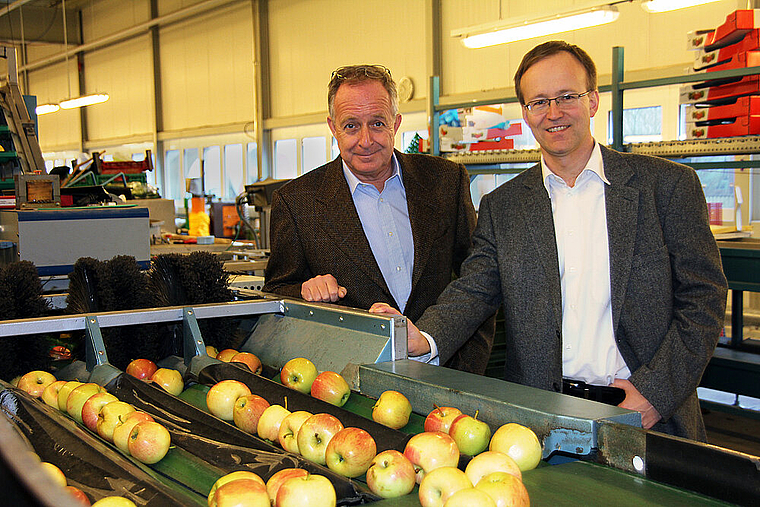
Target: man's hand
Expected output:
[322,288]
[417,344]
[634,400]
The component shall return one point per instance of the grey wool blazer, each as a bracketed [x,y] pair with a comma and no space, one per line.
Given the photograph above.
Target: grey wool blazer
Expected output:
[668,287]
[315,230]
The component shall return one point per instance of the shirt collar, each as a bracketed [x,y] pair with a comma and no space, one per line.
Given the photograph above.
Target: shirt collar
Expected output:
[354,182]
[595,164]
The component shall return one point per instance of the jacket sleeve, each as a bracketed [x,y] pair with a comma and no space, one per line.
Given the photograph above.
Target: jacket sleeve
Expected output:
[287,268]
[698,305]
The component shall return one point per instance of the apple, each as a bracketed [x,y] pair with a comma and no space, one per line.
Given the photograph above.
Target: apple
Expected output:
[314,435]
[430,450]
[520,443]
[92,406]
[279,478]
[269,422]
[392,409]
[233,476]
[122,430]
[488,462]
[441,418]
[298,374]
[114,501]
[440,484]
[391,475]
[64,392]
[505,489]
[350,452]
[78,495]
[35,382]
[54,473]
[312,490]
[50,394]
[250,360]
[288,434]
[110,415]
[247,410]
[149,442]
[211,351]
[169,380]
[226,355]
[221,398]
[469,497]
[141,368]
[331,387]
[78,397]
[240,493]
[471,436]
[15,380]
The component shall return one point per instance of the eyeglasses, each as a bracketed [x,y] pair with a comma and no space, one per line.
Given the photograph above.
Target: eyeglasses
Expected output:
[564,102]
[353,71]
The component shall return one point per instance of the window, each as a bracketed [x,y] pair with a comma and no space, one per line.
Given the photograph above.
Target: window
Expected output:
[485,183]
[175,185]
[233,171]
[640,125]
[212,171]
[285,159]
[49,164]
[191,169]
[252,163]
[313,153]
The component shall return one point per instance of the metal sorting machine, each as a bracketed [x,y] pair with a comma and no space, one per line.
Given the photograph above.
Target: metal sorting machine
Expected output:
[595,454]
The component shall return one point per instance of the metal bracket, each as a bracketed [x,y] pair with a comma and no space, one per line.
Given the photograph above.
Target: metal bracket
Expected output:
[193,343]
[101,371]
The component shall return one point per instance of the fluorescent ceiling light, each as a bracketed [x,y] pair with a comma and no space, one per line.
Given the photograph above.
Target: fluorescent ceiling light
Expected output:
[655,6]
[46,108]
[84,100]
[511,30]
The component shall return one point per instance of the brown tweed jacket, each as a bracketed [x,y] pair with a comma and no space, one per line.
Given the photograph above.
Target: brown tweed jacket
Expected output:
[315,230]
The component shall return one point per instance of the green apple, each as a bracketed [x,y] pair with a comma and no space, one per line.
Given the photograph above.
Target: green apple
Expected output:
[91,409]
[504,489]
[50,394]
[472,436]
[78,397]
[221,398]
[271,418]
[468,497]
[440,484]
[298,374]
[314,435]
[122,430]
[64,392]
[114,501]
[519,443]
[391,475]
[110,416]
[392,409]
[488,462]
[312,490]
[288,434]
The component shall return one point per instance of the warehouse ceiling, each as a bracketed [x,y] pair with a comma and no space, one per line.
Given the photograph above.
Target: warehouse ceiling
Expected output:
[39,21]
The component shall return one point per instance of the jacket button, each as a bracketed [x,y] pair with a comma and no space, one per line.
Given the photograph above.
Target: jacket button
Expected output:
[555,386]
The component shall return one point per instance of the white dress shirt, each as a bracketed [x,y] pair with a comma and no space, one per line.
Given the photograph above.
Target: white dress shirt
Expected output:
[589,350]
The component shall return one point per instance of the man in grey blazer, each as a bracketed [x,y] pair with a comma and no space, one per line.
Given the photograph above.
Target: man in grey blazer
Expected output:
[375,224]
[603,262]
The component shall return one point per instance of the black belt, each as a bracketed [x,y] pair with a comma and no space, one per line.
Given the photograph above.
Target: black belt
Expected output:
[602,394]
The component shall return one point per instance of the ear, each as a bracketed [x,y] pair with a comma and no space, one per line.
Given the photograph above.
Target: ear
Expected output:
[331,125]
[593,102]
[396,124]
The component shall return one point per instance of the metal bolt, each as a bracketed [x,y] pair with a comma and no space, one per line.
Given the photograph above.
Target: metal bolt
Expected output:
[382,326]
[340,318]
[638,464]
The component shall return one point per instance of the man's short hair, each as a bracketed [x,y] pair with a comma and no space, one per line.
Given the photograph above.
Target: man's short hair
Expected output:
[549,49]
[355,74]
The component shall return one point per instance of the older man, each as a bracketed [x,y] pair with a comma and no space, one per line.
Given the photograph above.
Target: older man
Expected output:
[375,224]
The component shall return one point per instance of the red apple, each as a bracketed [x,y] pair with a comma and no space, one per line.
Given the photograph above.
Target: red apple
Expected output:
[54,473]
[50,394]
[64,392]
[247,410]
[240,493]
[488,462]
[331,387]
[471,436]
[441,418]
[392,409]
[314,435]
[221,398]
[149,442]
[169,380]
[520,443]
[505,489]
[439,484]
[312,490]
[391,475]
[78,495]
[141,368]
[269,422]
[430,450]
[350,452]
[234,476]
[468,497]
[122,430]
[78,397]
[279,478]
[250,360]
[299,374]
[288,434]
[226,355]
[111,415]
[35,382]
[114,501]
[92,406]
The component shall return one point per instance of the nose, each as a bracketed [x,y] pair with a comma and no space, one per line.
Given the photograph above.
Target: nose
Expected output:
[365,138]
[554,110]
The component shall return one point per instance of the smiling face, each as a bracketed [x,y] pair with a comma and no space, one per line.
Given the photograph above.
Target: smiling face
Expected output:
[564,134]
[364,126]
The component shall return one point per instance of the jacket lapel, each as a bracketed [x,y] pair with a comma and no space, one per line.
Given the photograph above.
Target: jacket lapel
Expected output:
[622,202]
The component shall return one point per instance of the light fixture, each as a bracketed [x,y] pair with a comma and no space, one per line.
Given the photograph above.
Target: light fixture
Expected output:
[84,100]
[46,108]
[655,6]
[514,29]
